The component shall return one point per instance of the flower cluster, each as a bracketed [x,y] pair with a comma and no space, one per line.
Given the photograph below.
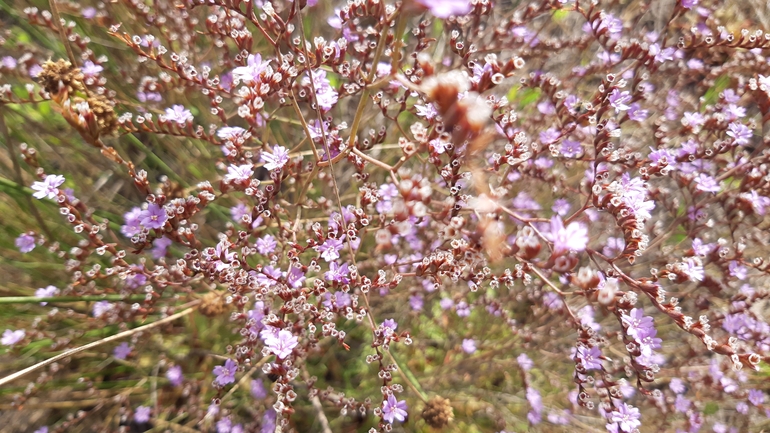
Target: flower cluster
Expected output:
[378,215]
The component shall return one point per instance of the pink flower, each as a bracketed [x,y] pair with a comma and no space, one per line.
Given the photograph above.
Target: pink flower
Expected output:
[447,8]
[239,173]
[574,237]
[142,414]
[282,343]
[330,249]
[12,337]
[178,114]
[277,159]
[174,375]
[250,73]
[46,292]
[48,187]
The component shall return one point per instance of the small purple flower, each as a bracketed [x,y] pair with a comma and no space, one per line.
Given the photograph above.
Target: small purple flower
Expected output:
[706,183]
[549,136]
[737,270]
[589,358]
[587,317]
[741,133]
[682,404]
[469,345]
[438,145]
[133,224]
[573,237]
[649,342]
[277,159]
[178,114]
[390,323]
[268,421]
[224,425]
[142,414]
[25,242]
[101,307]
[330,249]
[49,187]
[154,217]
[225,374]
[693,268]
[627,417]
[8,62]
[416,302]
[756,397]
[561,207]
[160,247]
[525,363]
[446,303]
[46,292]
[231,133]
[620,100]
[338,273]
[90,69]
[693,119]
[12,337]
[742,408]
[326,96]
[535,401]
[174,375]
[571,148]
[266,245]
[689,4]
[43,429]
[258,389]
[463,309]
[239,211]
[282,344]
[447,8]
[636,113]
[393,410]
[239,173]
[295,277]
[122,351]
[250,73]
[552,301]
[427,111]
[676,385]
[637,323]
[35,70]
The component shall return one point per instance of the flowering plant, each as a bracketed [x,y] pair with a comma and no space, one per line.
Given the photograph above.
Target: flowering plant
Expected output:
[471,215]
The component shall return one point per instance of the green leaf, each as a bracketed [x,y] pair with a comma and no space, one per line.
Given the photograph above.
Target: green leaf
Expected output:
[712,94]
[560,15]
[711,408]
[528,96]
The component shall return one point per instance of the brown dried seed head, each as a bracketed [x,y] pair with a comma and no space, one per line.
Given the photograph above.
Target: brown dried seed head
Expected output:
[212,304]
[438,412]
[103,109]
[60,75]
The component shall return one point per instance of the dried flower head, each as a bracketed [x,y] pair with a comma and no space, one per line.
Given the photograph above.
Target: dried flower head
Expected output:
[438,412]
[60,76]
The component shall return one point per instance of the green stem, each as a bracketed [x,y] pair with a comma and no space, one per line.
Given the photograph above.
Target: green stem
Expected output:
[156,160]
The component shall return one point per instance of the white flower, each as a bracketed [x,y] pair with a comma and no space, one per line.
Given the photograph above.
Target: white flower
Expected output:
[49,187]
